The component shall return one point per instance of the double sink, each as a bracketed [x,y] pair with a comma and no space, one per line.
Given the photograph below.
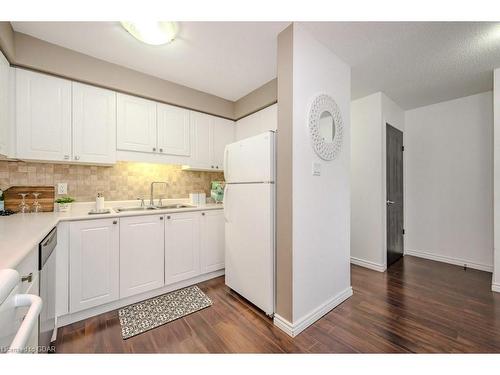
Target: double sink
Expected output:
[149,208]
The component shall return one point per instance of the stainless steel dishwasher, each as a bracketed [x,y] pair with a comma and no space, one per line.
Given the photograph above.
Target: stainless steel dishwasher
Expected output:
[47,267]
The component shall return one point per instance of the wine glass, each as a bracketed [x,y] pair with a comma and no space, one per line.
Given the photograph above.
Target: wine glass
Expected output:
[36,207]
[23,207]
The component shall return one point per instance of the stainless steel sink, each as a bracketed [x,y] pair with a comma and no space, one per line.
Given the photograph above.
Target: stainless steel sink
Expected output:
[125,209]
[149,208]
[173,206]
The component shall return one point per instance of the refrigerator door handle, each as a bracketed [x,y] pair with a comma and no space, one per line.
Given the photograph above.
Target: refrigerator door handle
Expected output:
[226,171]
[224,202]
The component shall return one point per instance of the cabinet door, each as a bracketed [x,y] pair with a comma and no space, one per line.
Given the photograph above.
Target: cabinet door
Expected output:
[182,246]
[4,105]
[136,124]
[223,134]
[43,116]
[202,131]
[212,241]
[173,130]
[94,263]
[94,124]
[141,254]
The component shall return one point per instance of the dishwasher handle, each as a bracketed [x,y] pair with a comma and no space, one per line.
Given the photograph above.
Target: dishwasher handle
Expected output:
[18,345]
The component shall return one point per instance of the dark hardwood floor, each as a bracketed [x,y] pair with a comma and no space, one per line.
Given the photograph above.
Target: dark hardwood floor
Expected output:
[417,306]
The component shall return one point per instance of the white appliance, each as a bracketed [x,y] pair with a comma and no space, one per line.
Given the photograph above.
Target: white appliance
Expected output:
[16,325]
[249,202]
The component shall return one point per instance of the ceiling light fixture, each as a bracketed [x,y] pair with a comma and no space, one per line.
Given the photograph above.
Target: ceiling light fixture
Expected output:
[151,32]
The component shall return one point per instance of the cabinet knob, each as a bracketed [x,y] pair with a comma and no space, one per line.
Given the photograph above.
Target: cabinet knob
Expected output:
[161,217]
[77,157]
[161,150]
[217,167]
[212,167]
[115,221]
[168,217]
[154,148]
[202,214]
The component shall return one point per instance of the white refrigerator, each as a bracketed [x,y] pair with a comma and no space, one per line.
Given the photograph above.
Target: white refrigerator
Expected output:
[249,209]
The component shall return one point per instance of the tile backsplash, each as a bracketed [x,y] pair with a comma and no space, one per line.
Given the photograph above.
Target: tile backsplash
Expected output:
[122,181]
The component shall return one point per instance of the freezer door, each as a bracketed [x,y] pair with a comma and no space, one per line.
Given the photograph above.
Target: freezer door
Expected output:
[250,160]
[249,234]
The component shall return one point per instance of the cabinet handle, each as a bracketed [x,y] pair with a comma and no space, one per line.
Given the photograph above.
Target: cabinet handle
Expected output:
[115,221]
[217,167]
[168,217]
[27,278]
[161,150]
[212,167]
[66,157]
[161,217]
[202,214]
[154,148]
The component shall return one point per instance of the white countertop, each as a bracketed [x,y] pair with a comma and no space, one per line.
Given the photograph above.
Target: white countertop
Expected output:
[21,233]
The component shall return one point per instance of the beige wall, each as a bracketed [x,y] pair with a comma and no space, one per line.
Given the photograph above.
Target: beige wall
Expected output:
[123,181]
[264,96]
[7,40]
[284,223]
[28,52]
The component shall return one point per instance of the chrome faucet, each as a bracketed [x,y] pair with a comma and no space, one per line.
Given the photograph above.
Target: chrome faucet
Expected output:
[151,198]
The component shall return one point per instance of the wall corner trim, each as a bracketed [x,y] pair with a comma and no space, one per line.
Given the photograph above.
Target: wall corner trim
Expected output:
[368,264]
[495,287]
[293,329]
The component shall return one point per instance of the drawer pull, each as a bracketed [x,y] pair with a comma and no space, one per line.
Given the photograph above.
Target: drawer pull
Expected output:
[115,222]
[28,278]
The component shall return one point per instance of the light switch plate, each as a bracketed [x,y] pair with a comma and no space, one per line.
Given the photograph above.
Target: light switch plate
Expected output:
[316,169]
[62,188]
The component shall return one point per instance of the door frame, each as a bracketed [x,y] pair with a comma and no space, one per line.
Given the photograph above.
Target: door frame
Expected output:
[384,189]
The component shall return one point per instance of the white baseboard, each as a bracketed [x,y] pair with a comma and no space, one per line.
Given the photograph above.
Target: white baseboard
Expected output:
[450,260]
[293,329]
[81,315]
[368,264]
[495,287]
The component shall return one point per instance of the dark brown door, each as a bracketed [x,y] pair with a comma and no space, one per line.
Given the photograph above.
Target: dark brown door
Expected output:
[394,146]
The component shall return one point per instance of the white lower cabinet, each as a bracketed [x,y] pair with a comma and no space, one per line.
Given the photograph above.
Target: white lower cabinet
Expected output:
[212,241]
[94,263]
[141,254]
[182,246]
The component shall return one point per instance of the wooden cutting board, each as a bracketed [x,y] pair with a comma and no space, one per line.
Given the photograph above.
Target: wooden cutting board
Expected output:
[13,199]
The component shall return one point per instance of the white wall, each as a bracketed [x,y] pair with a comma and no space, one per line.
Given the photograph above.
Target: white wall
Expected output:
[449,181]
[496,109]
[368,177]
[321,204]
[258,122]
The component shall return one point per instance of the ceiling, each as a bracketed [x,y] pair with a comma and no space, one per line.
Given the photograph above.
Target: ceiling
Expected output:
[414,63]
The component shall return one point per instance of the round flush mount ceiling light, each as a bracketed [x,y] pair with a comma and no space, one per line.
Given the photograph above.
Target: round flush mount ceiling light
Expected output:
[151,32]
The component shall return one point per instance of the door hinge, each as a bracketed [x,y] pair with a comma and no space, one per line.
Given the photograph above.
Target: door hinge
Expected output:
[402,148]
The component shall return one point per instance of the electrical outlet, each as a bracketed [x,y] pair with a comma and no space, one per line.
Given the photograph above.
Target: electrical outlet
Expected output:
[62,188]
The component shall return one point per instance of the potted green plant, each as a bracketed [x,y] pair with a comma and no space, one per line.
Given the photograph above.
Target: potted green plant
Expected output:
[64,204]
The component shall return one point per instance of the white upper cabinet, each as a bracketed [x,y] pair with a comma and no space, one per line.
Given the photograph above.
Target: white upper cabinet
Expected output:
[212,240]
[94,124]
[4,105]
[202,128]
[136,124]
[223,134]
[43,117]
[210,136]
[141,254]
[173,130]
